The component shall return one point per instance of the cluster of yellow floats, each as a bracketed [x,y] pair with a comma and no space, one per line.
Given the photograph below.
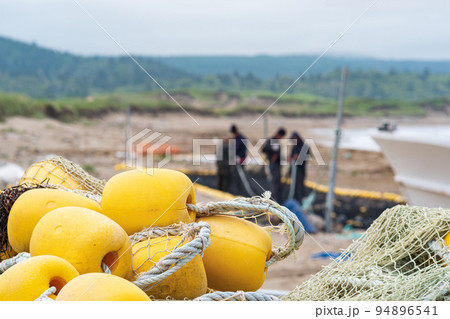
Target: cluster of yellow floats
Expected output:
[70,237]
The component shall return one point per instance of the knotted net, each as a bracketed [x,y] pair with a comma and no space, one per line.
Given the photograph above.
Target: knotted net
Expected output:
[59,171]
[402,256]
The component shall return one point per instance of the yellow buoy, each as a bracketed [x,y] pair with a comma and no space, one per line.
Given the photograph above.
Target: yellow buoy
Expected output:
[85,238]
[29,208]
[447,239]
[30,278]
[101,287]
[187,282]
[49,172]
[140,199]
[236,258]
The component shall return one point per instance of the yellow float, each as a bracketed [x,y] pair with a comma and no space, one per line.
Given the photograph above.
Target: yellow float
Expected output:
[447,239]
[236,258]
[28,279]
[29,208]
[48,172]
[150,198]
[85,238]
[101,287]
[187,282]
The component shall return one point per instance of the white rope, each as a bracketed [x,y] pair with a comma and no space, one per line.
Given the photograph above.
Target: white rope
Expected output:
[8,263]
[45,295]
[169,264]
[236,296]
[153,232]
[245,207]
[106,269]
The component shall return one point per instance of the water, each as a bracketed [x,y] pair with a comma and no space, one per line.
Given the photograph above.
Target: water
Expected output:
[359,139]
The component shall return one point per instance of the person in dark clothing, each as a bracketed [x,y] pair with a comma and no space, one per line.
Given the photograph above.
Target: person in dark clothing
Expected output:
[272,149]
[223,167]
[240,155]
[241,149]
[299,155]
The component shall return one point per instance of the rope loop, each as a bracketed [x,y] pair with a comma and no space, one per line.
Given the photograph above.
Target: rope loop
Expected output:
[255,206]
[236,296]
[8,263]
[172,262]
[46,294]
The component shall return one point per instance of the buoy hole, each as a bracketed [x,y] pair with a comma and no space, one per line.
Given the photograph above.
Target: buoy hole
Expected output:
[111,260]
[189,199]
[58,283]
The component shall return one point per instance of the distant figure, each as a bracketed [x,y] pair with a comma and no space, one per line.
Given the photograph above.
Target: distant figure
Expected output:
[272,149]
[299,155]
[240,155]
[388,126]
[223,167]
[241,149]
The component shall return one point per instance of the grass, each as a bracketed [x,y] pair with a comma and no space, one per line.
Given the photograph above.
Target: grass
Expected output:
[215,102]
[8,130]
[16,104]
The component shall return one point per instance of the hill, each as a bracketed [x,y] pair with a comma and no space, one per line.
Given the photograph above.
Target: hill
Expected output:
[293,65]
[42,73]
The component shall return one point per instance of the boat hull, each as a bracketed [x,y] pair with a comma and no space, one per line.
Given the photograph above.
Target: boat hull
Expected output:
[421,167]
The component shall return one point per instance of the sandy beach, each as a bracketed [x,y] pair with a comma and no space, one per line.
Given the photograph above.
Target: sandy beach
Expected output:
[98,144]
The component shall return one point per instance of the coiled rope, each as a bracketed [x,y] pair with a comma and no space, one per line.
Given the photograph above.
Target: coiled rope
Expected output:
[8,263]
[254,206]
[236,296]
[169,264]
[45,295]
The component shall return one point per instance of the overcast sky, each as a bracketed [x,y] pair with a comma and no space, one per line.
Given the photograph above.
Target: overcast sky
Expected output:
[400,29]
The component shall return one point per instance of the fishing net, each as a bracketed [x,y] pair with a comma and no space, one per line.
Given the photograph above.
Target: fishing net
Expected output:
[7,198]
[56,173]
[402,256]
[59,171]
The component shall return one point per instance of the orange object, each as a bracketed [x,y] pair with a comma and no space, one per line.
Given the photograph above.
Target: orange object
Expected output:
[147,148]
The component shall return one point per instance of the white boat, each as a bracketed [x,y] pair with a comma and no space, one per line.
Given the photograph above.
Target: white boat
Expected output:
[421,162]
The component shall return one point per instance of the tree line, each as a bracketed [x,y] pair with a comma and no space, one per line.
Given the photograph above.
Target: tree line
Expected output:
[42,73]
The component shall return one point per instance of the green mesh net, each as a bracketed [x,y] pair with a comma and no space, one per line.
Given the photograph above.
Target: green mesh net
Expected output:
[402,256]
